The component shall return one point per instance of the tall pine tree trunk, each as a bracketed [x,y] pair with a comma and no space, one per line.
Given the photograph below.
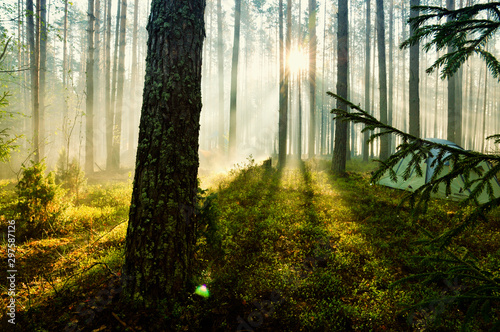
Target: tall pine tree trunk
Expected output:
[298,140]
[382,74]
[282,125]
[234,79]
[458,99]
[117,132]
[414,79]
[160,235]
[288,47]
[111,154]
[34,71]
[89,110]
[390,91]
[323,82]
[220,64]
[312,77]
[108,92]
[404,118]
[42,71]
[452,125]
[97,72]
[483,131]
[132,114]
[367,78]
[340,148]
[65,129]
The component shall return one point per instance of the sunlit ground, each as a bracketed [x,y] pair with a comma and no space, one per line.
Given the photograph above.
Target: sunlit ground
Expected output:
[330,247]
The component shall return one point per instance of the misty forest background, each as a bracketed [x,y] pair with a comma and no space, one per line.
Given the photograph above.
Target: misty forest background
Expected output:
[341,252]
[118,57]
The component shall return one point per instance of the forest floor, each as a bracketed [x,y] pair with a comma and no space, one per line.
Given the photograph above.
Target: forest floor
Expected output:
[279,250]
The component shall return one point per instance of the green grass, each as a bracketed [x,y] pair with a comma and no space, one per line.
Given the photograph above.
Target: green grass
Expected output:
[314,252]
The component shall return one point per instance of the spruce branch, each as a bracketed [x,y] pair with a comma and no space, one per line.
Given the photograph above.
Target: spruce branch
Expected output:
[465,32]
[465,163]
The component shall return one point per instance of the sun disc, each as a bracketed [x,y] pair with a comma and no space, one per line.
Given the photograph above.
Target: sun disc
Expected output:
[298,60]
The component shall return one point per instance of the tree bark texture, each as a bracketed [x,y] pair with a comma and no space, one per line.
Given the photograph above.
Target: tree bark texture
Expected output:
[117,132]
[414,103]
[382,75]
[34,67]
[452,125]
[109,106]
[159,242]
[366,134]
[340,148]
[282,122]
[89,109]
[42,70]
[234,79]
[220,66]
[132,137]
[312,77]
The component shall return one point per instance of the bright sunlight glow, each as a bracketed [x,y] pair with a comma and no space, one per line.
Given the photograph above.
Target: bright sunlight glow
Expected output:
[298,60]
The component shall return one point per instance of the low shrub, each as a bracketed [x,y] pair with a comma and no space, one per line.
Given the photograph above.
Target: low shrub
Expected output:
[69,175]
[39,200]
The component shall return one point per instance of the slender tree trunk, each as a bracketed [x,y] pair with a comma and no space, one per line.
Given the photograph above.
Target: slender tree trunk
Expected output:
[65,81]
[340,149]
[312,77]
[390,92]
[476,133]
[20,57]
[372,107]
[284,64]
[117,133]
[470,107]
[299,82]
[220,63]
[458,100]
[414,79]
[483,131]
[281,80]
[109,106]
[111,154]
[366,134]
[384,140]
[43,63]
[97,75]
[436,110]
[159,247]
[299,118]
[89,113]
[452,125]
[323,82]
[234,80]
[132,138]
[290,131]
[34,70]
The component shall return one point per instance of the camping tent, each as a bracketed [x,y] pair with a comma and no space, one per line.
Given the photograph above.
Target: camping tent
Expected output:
[458,188]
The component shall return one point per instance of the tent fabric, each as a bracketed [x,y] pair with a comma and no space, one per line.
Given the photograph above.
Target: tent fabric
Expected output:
[458,189]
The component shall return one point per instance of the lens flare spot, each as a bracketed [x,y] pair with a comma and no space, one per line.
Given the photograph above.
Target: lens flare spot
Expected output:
[202,291]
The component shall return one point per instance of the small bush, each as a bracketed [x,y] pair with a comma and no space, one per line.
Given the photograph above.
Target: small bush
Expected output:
[69,175]
[38,200]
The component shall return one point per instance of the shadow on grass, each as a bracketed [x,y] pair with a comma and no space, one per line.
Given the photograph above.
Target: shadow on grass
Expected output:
[330,247]
[380,238]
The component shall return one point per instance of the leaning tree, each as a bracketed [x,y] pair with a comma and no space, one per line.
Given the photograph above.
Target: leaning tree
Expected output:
[159,242]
